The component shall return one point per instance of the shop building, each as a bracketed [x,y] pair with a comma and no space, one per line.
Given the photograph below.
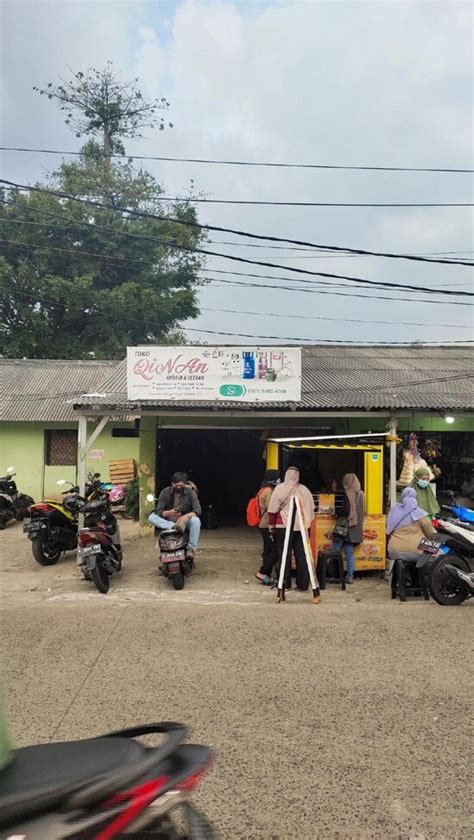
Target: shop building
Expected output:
[359,402]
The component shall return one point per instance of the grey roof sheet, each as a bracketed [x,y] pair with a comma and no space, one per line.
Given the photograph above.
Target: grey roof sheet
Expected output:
[348,377]
[46,389]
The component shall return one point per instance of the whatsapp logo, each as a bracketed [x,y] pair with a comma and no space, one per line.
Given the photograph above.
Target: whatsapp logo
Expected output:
[232,390]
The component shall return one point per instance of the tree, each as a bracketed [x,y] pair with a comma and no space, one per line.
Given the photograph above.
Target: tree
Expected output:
[80,281]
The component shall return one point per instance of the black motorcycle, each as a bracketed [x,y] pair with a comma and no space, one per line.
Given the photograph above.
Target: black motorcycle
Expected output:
[449,559]
[53,526]
[106,787]
[13,505]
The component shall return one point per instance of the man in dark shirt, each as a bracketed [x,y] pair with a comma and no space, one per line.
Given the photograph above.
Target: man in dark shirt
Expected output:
[178,507]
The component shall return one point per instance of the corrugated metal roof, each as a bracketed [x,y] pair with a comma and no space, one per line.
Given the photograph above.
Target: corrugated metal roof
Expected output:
[347,377]
[46,389]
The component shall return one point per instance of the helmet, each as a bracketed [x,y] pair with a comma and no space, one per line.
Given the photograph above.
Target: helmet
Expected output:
[116,493]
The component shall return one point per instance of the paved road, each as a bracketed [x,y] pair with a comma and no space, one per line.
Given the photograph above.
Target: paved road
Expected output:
[344,720]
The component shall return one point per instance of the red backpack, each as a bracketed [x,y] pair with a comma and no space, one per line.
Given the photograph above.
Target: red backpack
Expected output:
[253,511]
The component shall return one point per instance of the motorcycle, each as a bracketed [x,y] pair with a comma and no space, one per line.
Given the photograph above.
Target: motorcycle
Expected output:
[53,526]
[172,545]
[106,787]
[449,564]
[99,552]
[13,505]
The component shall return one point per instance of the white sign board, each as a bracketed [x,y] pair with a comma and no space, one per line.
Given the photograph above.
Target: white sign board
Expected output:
[207,374]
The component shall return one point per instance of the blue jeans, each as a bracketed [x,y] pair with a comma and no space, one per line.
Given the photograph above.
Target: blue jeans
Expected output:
[193,525]
[349,551]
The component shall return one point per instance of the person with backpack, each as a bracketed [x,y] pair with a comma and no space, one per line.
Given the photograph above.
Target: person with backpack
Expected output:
[278,511]
[257,514]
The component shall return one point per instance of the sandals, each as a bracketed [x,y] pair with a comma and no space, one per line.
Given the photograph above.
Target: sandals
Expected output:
[266,580]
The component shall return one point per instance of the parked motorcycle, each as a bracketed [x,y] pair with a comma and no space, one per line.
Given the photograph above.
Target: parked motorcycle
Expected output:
[100,552]
[53,526]
[13,505]
[449,565]
[105,787]
[172,545]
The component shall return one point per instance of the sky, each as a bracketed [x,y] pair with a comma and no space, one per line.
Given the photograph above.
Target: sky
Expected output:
[354,83]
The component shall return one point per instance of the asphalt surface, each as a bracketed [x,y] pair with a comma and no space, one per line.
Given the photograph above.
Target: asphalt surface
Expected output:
[348,719]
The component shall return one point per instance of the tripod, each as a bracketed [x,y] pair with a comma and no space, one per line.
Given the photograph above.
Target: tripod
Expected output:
[296,511]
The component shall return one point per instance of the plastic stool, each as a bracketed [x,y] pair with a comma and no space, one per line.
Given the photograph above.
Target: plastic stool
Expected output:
[324,558]
[418,579]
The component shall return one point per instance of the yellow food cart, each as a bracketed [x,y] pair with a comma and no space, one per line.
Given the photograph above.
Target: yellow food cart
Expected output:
[322,465]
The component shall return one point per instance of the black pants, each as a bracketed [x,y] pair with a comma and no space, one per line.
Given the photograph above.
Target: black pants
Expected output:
[302,574]
[269,553]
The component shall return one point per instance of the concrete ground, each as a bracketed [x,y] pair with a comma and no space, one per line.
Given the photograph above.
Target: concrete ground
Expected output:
[345,720]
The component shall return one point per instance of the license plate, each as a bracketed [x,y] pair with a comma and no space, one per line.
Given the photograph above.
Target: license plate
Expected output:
[171,558]
[32,526]
[429,546]
[89,549]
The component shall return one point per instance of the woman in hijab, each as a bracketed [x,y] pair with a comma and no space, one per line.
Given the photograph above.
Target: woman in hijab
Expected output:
[278,511]
[407,524]
[424,492]
[353,507]
[269,554]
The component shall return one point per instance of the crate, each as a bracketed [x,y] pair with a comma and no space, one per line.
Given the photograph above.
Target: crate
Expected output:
[122,472]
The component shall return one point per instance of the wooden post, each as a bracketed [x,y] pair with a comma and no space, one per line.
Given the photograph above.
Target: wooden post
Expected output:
[146,471]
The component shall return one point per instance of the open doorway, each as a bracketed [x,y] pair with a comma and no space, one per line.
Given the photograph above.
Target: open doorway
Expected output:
[226,465]
[319,468]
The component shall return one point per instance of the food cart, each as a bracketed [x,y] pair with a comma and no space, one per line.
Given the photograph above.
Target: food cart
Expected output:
[322,465]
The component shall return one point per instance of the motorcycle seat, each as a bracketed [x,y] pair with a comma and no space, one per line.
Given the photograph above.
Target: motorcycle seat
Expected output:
[41,777]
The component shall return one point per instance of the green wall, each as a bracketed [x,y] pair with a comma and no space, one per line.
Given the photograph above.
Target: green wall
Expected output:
[22,445]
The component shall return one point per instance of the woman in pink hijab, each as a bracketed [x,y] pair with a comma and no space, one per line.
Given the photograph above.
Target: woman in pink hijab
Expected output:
[278,511]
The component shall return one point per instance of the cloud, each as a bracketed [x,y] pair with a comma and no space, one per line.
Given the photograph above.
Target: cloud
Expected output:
[330,82]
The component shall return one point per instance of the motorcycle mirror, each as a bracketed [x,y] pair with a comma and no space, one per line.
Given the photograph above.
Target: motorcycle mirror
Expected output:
[150,497]
[96,475]
[10,470]
[61,482]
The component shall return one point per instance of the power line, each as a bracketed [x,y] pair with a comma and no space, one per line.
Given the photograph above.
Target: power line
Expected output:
[372,283]
[247,162]
[309,253]
[232,334]
[217,228]
[254,203]
[326,318]
[351,294]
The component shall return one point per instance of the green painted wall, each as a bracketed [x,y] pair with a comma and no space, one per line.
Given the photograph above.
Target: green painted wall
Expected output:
[22,445]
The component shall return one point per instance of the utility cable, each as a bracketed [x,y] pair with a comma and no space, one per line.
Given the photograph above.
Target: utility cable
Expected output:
[217,228]
[246,162]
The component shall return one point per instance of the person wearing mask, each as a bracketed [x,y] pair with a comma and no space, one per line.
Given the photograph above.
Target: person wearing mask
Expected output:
[424,492]
[353,508]
[406,526]
[178,507]
[269,553]
[278,511]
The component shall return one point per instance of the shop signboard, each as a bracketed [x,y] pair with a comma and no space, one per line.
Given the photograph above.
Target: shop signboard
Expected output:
[208,374]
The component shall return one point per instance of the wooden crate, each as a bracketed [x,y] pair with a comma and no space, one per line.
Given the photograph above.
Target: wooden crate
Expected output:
[121,472]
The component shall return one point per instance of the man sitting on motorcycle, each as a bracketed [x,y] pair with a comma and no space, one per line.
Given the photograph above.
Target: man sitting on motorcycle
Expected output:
[178,508]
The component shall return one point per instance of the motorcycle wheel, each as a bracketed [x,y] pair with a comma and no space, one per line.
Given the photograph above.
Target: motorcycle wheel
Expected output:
[101,578]
[442,590]
[3,523]
[177,580]
[43,555]
[20,515]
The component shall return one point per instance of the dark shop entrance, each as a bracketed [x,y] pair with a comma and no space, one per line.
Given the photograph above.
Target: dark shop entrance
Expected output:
[227,465]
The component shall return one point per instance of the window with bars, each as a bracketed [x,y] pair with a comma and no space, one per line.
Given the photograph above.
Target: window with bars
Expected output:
[61,447]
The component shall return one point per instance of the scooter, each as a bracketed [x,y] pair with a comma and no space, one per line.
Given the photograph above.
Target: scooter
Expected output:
[105,787]
[53,526]
[99,552]
[449,561]
[172,544]
[13,505]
